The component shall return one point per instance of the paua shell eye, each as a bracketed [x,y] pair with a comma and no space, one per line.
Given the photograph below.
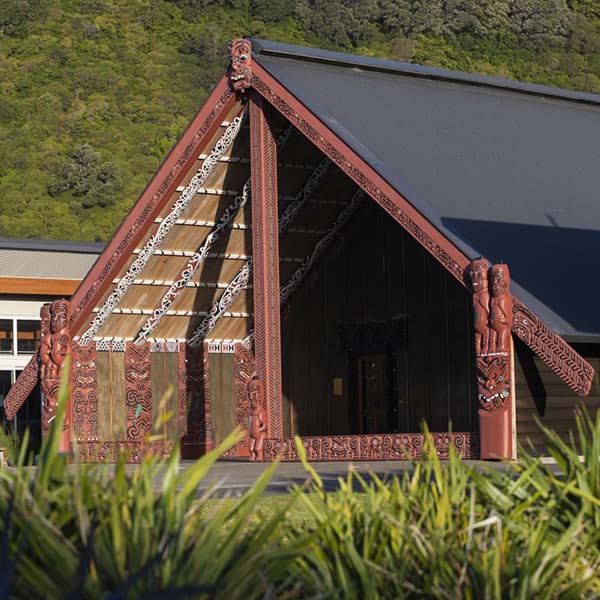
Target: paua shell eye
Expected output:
[244,57]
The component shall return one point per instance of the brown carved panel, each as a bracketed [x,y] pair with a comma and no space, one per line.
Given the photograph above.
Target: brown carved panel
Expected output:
[134,452]
[244,367]
[85,392]
[138,391]
[397,446]
[194,399]
[240,70]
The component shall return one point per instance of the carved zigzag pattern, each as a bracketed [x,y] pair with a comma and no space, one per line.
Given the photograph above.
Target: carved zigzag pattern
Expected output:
[138,391]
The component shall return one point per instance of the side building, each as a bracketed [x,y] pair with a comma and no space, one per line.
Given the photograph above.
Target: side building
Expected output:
[32,273]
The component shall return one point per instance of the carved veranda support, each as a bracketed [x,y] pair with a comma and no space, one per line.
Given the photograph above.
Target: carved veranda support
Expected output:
[138,391]
[493,314]
[54,349]
[265,249]
[85,392]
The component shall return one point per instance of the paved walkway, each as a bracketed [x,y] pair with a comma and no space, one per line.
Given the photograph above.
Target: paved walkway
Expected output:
[234,477]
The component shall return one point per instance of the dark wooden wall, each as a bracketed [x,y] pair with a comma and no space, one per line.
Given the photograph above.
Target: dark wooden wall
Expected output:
[379,274]
[540,393]
[220,367]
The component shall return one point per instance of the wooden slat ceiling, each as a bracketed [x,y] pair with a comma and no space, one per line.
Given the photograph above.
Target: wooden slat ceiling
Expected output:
[297,160]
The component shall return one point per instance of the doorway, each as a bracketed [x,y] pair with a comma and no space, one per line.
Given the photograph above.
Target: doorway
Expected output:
[372,392]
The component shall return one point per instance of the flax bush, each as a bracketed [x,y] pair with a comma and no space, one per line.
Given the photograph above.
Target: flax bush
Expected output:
[443,530]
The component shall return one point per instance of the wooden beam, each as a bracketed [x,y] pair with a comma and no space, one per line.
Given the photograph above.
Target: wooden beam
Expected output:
[38,287]
[265,252]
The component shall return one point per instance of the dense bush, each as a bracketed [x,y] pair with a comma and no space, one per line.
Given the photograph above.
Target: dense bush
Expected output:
[123,78]
[444,530]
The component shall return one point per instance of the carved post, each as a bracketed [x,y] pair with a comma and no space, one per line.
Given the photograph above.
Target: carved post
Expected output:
[494,355]
[265,249]
[54,349]
[258,420]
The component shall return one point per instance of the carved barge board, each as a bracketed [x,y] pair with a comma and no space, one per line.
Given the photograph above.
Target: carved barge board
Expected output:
[395,446]
[550,347]
[21,389]
[265,253]
[85,392]
[138,391]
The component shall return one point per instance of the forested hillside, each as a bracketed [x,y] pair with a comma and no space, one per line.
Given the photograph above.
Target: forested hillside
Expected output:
[93,93]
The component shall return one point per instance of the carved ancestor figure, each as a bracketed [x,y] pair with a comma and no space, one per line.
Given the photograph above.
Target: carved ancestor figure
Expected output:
[258,419]
[240,76]
[54,349]
[501,309]
[493,350]
[481,303]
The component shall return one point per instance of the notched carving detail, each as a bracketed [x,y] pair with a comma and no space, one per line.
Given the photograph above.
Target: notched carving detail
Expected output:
[240,71]
[258,419]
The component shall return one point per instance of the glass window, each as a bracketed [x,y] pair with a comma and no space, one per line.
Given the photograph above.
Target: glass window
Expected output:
[5,383]
[6,336]
[29,335]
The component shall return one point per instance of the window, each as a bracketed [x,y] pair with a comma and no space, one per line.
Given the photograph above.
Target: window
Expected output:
[6,336]
[29,335]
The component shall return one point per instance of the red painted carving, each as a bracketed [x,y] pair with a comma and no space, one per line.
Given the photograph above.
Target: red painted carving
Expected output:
[138,391]
[493,352]
[154,198]
[85,393]
[54,349]
[22,387]
[397,446]
[240,71]
[258,420]
[265,252]
[194,400]
[134,452]
[550,347]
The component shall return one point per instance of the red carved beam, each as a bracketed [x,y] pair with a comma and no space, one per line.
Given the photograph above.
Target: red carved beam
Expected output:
[85,392]
[138,391]
[393,446]
[265,252]
[23,386]
[549,346]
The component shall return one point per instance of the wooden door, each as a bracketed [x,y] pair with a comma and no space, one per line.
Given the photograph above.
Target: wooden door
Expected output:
[372,390]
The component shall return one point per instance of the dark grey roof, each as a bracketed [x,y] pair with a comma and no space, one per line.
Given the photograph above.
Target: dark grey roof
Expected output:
[506,170]
[50,245]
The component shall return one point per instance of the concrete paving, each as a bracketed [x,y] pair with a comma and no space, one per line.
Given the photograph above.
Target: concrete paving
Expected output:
[234,477]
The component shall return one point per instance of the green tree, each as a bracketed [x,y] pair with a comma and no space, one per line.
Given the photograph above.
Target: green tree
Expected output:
[97,183]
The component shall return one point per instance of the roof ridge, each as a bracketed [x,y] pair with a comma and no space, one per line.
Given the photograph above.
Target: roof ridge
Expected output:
[382,65]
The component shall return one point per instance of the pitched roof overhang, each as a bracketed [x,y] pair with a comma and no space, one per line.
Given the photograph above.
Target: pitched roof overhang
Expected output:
[283,74]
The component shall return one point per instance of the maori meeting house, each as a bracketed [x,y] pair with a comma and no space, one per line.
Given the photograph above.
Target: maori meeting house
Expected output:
[342,248]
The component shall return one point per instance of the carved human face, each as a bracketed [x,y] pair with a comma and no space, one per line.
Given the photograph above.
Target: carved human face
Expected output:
[479,270]
[500,280]
[255,392]
[241,62]
[58,315]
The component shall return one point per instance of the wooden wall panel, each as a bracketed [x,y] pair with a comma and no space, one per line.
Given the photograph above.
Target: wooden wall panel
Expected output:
[111,396]
[164,368]
[540,393]
[378,275]
[221,385]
